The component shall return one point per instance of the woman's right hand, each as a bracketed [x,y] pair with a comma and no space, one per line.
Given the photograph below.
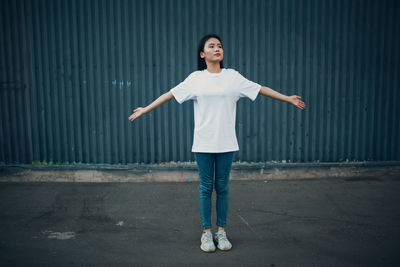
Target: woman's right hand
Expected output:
[156,103]
[137,113]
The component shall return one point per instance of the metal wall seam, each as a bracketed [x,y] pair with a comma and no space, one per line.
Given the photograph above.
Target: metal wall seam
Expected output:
[4,76]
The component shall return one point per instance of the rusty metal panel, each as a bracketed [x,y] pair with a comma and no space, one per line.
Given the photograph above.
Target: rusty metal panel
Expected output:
[72,71]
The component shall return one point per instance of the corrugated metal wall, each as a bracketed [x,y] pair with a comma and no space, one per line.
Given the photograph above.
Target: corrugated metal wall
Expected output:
[72,71]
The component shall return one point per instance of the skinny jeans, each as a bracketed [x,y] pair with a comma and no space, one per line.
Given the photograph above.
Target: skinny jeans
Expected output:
[210,166]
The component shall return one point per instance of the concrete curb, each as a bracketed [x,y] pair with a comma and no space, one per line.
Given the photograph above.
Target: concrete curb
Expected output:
[190,174]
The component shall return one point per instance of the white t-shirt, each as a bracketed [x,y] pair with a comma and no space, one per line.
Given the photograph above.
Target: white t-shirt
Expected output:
[214,98]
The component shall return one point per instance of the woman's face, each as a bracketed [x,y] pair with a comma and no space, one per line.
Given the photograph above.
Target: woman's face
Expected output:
[213,51]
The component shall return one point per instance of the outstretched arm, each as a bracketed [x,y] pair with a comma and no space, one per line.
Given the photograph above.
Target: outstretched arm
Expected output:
[156,103]
[294,99]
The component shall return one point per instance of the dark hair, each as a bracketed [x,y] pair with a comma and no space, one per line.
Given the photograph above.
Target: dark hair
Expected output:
[201,63]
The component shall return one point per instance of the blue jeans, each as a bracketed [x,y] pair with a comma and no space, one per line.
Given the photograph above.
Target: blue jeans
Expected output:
[207,164]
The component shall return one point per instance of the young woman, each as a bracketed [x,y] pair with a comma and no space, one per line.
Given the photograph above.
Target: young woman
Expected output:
[214,91]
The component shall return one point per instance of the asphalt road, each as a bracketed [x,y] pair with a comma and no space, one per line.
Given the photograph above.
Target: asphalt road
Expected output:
[312,222]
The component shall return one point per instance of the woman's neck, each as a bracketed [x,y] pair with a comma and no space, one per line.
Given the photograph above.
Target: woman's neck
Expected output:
[214,67]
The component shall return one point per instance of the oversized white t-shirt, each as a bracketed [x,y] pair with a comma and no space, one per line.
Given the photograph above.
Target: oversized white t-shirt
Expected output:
[214,98]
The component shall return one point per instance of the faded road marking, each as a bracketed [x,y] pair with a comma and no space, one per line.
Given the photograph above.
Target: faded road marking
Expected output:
[59,235]
[248,225]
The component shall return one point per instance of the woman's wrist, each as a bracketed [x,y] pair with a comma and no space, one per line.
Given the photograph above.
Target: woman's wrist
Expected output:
[147,109]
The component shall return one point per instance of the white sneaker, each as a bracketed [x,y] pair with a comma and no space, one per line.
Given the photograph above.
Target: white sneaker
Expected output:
[207,243]
[222,240]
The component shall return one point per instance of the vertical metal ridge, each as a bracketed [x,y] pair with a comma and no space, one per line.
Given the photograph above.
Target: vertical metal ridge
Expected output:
[310,81]
[269,83]
[158,91]
[126,73]
[85,69]
[51,90]
[16,96]
[4,76]
[142,137]
[34,111]
[62,83]
[348,88]
[118,91]
[3,134]
[290,85]
[40,87]
[26,123]
[53,87]
[395,142]
[147,67]
[365,60]
[75,126]
[109,78]
[388,91]
[335,82]
[372,101]
[379,61]
[282,77]
[46,115]
[355,83]
[262,37]
[305,145]
[89,81]
[113,75]
[177,14]
[139,88]
[172,144]
[13,87]
[320,91]
[392,59]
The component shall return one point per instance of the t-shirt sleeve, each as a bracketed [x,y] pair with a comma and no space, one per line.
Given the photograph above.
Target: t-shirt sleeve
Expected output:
[246,87]
[184,91]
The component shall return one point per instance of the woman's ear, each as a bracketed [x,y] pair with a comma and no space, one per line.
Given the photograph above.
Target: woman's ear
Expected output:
[202,54]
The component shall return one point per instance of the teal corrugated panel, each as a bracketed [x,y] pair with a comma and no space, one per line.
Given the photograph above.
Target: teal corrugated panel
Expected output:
[15,124]
[71,72]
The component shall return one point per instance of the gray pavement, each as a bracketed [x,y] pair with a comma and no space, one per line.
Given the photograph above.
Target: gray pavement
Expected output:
[297,222]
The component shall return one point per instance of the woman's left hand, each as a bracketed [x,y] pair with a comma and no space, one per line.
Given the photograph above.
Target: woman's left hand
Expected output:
[295,101]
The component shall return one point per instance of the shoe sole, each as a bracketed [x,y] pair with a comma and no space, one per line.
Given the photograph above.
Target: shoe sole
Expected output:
[207,251]
[224,249]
